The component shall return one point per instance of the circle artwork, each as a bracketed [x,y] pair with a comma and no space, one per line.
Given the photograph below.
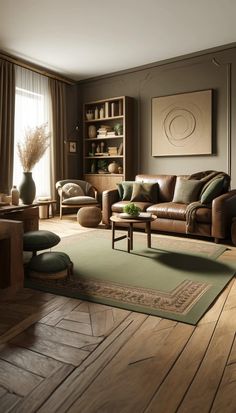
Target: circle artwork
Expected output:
[179,126]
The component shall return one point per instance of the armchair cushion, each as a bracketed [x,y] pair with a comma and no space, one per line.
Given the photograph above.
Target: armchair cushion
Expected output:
[71,189]
[79,200]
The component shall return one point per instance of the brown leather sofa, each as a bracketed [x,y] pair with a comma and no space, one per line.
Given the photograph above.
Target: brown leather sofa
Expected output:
[213,220]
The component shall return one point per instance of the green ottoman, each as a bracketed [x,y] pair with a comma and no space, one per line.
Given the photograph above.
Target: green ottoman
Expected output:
[39,240]
[50,265]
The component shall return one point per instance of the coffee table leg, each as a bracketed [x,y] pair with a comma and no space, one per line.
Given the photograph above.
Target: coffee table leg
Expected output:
[128,238]
[131,236]
[113,234]
[148,230]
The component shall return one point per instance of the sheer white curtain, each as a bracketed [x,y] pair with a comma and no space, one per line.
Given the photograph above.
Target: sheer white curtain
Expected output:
[32,108]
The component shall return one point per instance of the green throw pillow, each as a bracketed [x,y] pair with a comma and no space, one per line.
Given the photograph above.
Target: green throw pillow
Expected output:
[214,189]
[120,189]
[127,190]
[144,192]
[186,190]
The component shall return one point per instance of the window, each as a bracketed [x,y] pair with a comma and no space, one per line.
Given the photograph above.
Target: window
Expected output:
[32,108]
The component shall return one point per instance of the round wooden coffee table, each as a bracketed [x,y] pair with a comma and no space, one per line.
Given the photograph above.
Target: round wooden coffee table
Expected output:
[142,219]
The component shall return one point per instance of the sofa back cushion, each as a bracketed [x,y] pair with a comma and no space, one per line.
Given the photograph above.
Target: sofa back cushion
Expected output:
[213,190]
[187,190]
[166,185]
[145,192]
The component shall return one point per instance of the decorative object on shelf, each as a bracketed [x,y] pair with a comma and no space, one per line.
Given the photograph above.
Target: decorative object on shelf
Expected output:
[120,149]
[72,147]
[96,113]
[112,150]
[102,147]
[102,166]
[15,195]
[92,131]
[93,148]
[120,170]
[106,110]
[89,115]
[101,112]
[30,151]
[118,128]
[98,149]
[93,167]
[113,167]
[132,209]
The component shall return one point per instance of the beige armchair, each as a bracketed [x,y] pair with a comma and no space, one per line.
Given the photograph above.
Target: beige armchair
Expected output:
[75,193]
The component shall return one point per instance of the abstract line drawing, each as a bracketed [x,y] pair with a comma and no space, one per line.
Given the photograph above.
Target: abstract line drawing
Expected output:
[181,124]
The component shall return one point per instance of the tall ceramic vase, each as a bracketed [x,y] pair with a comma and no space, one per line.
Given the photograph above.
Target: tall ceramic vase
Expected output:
[27,188]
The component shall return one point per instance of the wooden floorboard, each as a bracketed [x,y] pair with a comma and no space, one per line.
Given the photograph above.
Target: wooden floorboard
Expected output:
[60,354]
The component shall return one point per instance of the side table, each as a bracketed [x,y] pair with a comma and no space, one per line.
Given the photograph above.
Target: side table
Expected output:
[46,208]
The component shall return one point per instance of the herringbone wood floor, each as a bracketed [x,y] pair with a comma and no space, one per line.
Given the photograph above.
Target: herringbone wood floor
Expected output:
[60,354]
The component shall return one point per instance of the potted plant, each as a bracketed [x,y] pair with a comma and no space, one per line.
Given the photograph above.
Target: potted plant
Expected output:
[132,209]
[118,128]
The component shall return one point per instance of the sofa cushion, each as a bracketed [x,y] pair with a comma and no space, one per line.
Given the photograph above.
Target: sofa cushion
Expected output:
[125,189]
[186,190]
[166,185]
[144,192]
[169,210]
[118,206]
[213,190]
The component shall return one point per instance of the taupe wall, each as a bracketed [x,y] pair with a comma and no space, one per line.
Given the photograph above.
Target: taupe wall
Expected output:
[215,71]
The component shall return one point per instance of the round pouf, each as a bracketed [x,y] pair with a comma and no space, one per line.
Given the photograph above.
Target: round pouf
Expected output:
[233,231]
[39,240]
[50,265]
[89,216]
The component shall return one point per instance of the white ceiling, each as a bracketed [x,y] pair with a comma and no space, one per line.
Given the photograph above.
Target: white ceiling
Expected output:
[85,38]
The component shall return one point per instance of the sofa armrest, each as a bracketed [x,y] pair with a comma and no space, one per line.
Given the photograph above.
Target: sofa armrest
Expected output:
[223,210]
[109,197]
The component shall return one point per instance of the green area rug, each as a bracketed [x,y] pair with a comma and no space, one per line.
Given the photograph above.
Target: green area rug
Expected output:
[175,279]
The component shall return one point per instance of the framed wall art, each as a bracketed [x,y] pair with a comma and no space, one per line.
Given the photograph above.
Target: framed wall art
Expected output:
[72,147]
[182,124]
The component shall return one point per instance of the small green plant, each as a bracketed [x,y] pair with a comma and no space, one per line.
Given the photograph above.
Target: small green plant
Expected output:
[118,128]
[132,209]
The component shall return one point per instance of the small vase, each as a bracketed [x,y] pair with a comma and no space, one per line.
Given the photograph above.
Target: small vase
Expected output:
[113,167]
[15,195]
[27,188]
[92,131]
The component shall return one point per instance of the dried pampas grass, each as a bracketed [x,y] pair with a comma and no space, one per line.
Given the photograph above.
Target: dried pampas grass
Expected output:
[33,147]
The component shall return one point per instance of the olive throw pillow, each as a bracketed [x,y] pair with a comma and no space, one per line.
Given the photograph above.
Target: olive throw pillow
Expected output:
[144,192]
[187,190]
[70,190]
[126,190]
[214,189]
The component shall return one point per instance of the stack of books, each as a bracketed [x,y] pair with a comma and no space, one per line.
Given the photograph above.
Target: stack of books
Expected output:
[111,134]
[103,131]
[112,150]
